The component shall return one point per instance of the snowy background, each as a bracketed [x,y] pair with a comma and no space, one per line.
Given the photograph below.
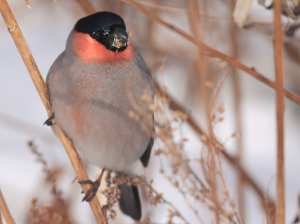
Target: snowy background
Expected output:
[46,27]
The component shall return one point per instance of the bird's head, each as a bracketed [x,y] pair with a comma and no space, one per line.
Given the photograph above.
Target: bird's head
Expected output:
[107,28]
[102,37]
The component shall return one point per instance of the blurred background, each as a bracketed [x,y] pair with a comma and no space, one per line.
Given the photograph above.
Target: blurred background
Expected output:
[189,78]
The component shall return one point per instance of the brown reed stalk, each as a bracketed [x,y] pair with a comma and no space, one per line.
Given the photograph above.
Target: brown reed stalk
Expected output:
[5,211]
[278,53]
[212,51]
[174,105]
[235,81]
[201,66]
[41,87]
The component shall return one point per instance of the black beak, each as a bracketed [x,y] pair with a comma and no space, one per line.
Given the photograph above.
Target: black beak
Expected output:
[118,38]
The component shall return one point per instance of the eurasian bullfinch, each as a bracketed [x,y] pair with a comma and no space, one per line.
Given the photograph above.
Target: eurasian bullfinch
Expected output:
[88,85]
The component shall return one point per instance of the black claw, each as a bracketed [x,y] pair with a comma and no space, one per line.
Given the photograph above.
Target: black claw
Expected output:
[87,182]
[48,122]
[90,194]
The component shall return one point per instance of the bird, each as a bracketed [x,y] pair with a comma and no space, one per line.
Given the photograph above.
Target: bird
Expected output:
[92,86]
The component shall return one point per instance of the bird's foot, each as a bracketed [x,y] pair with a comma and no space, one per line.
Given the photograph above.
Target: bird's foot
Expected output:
[90,194]
[48,122]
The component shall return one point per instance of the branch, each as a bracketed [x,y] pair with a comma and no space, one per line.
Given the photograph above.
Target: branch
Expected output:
[41,87]
[212,51]
[176,106]
[233,161]
[280,110]
[235,81]
[4,209]
[0,218]
[163,200]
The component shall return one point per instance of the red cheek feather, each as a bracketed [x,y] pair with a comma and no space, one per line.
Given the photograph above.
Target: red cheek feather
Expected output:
[91,51]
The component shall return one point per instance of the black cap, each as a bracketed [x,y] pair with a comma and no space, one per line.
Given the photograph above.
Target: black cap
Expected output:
[107,28]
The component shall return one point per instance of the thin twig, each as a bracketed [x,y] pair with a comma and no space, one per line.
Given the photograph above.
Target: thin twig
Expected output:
[178,9]
[191,206]
[269,216]
[144,181]
[212,167]
[41,87]
[235,80]
[215,53]
[278,51]
[201,68]
[174,105]
[5,211]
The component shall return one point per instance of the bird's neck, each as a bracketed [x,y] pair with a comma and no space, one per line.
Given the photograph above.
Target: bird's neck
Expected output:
[91,51]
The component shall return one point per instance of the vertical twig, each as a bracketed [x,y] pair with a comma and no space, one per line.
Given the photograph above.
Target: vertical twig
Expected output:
[0,218]
[5,211]
[278,51]
[238,115]
[212,51]
[41,87]
[201,66]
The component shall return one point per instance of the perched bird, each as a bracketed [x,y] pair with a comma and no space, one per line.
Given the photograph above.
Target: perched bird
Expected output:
[92,84]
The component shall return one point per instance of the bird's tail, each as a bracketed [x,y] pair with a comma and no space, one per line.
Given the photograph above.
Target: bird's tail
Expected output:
[130,202]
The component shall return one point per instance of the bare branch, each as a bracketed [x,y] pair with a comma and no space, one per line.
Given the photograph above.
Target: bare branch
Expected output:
[5,211]
[212,51]
[232,160]
[41,87]
[278,51]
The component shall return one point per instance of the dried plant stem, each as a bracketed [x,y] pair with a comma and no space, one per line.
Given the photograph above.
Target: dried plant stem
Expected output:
[41,87]
[201,67]
[213,170]
[178,9]
[191,206]
[278,51]
[164,200]
[235,79]
[4,210]
[211,50]
[174,105]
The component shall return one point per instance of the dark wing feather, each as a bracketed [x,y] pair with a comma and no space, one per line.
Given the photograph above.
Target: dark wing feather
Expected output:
[146,156]
[130,202]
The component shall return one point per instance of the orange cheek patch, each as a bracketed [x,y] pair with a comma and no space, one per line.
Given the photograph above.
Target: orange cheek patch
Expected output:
[91,51]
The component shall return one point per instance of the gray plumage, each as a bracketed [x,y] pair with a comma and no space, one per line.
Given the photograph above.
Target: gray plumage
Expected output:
[91,104]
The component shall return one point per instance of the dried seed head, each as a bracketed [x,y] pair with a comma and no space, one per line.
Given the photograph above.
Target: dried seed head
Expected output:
[221,108]
[223,64]
[209,85]
[236,134]
[203,138]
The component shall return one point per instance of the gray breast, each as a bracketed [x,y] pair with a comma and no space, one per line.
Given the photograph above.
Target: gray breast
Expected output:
[91,104]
